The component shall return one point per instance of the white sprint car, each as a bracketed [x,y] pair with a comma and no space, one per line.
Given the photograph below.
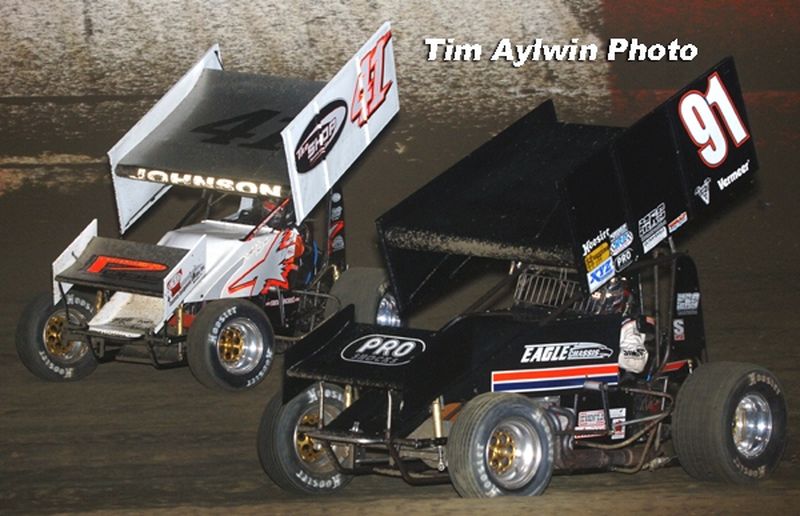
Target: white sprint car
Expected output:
[221,292]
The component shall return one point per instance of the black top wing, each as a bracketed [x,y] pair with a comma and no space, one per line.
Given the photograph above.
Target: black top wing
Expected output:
[228,127]
[591,198]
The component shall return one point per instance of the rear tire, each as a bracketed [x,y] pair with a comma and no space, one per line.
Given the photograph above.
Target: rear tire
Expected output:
[230,345]
[289,458]
[501,444]
[41,345]
[364,287]
[729,423]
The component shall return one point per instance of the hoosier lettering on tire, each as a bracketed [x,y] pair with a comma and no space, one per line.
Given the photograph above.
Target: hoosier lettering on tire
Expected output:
[501,444]
[231,345]
[729,423]
[43,342]
[292,459]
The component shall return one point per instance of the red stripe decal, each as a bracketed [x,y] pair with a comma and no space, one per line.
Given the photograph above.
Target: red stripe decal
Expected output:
[555,372]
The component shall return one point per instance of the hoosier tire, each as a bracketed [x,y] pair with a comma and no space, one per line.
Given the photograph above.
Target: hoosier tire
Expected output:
[290,458]
[729,423]
[501,444]
[42,344]
[230,345]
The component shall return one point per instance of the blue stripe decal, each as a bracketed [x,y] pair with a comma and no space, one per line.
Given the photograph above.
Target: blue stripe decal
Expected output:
[542,385]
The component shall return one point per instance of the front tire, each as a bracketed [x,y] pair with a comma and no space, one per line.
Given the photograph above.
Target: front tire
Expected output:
[290,458]
[368,289]
[729,423]
[231,345]
[42,344]
[501,444]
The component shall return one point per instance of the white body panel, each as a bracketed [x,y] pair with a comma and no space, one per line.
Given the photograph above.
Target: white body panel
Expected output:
[134,197]
[70,256]
[219,265]
[370,72]
[234,268]
[178,283]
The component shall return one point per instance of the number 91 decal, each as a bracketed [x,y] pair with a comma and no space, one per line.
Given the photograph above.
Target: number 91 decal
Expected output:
[701,114]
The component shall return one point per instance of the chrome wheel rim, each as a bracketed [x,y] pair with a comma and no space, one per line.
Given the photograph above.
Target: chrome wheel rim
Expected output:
[240,346]
[752,425]
[513,453]
[388,313]
[55,343]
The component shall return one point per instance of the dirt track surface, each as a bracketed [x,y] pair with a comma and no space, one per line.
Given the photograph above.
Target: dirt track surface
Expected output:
[131,438]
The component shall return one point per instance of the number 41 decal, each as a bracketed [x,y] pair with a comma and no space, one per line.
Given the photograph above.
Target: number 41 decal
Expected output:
[702,123]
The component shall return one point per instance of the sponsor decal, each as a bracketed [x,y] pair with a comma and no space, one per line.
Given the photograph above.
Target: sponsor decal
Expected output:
[596,257]
[593,242]
[371,85]
[652,228]
[553,378]
[725,182]
[174,284]
[620,239]
[623,260]
[563,351]
[383,350]
[678,330]
[199,181]
[595,421]
[704,192]
[677,222]
[290,300]
[599,276]
[671,367]
[687,303]
[177,283]
[102,264]
[320,135]
[654,239]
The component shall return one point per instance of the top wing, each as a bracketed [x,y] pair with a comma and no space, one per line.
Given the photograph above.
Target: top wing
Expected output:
[591,198]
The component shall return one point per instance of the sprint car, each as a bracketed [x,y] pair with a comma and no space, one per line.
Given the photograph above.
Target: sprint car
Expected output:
[539,375]
[222,290]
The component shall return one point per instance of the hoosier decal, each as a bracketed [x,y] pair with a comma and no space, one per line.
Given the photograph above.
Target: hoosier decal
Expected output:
[553,378]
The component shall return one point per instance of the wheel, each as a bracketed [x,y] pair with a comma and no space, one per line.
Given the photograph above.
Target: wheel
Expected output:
[501,444]
[230,345]
[292,459]
[42,345]
[368,289]
[730,423]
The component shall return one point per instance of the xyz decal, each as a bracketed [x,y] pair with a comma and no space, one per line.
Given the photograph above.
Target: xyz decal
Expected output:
[103,263]
[370,89]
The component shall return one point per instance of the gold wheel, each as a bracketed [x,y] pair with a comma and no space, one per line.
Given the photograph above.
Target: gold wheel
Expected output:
[231,345]
[55,342]
[306,448]
[501,452]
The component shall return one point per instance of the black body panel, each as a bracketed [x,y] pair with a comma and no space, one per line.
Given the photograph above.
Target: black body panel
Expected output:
[109,263]
[458,362]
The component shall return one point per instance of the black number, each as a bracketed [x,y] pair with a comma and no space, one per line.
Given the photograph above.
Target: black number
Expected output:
[272,142]
[224,131]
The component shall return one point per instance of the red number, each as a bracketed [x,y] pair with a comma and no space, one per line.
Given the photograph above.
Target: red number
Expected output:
[370,89]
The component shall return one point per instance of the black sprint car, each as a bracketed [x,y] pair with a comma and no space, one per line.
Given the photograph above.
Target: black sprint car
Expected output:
[599,360]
